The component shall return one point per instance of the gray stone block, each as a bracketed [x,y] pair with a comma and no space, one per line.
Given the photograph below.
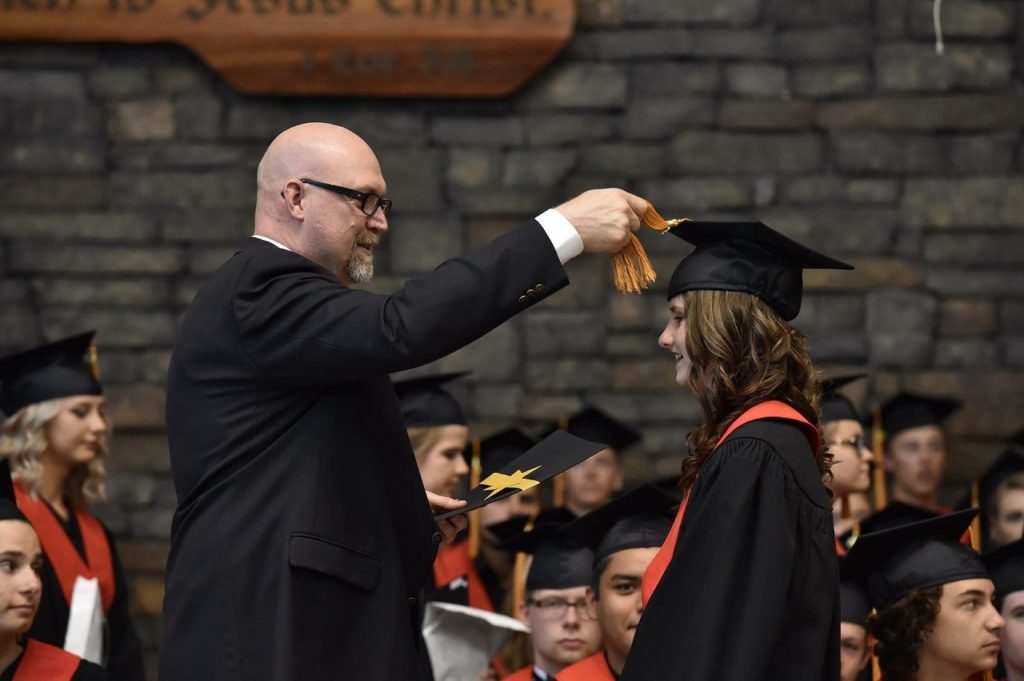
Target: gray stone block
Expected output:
[414,179]
[131,489]
[117,327]
[992,281]
[666,78]
[472,167]
[833,42]
[567,374]
[120,82]
[495,357]
[537,167]
[814,12]
[991,153]
[18,325]
[198,116]
[975,249]
[56,193]
[121,226]
[555,129]
[1011,315]
[637,43]
[142,120]
[891,19]
[765,114]
[632,160]
[23,156]
[864,190]
[66,118]
[579,86]
[977,202]
[420,244]
[183,190]
[966,352]
[187,155]
[967,317]
[98,292]
[692,11]
[726,152]
[653,118]
[914,67]
[29,257]
[599,12]
[564,333]
[964,112]
[733,43]
[901,326]
[875,152]
[207,259]
[837,230]
[42,84]
[497,401]
[688,194]
[208,225]
[477,130]
[963,19]
[830,80]
[757,80]
[1013,351]
[139,451]
[151,523]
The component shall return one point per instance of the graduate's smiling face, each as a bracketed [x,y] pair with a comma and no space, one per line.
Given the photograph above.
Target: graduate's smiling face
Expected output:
[591,483]
[77,434]
[965,638]
[620,603]
[851,458]
[673,338]
[916,457]
[561,628]
[21,559]
[443,467]
[853,650]
[1013,633]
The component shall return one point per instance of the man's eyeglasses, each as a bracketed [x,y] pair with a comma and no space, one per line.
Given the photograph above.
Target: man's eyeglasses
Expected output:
[369,202]
[555,608]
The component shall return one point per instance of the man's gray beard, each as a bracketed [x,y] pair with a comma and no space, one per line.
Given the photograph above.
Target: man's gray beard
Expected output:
[360,269]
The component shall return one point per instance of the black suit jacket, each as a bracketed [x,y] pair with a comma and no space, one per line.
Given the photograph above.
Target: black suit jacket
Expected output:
[302,534]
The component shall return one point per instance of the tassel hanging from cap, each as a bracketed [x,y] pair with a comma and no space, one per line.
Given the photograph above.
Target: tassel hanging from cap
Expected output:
[632,268]
[976,523]
[475,471]
[878,446]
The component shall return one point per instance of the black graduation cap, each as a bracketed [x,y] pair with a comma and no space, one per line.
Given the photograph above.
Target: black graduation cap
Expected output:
[597,426]
[507,531]
[501,448]
[909,410]
[425,402]
[1006,568]
[834,405]
[750,257]
[853,604]
[59,369]
[892,563]
[1009,463]
[545,459]
[559,561]
[895,514]
[8,506]
[640,518]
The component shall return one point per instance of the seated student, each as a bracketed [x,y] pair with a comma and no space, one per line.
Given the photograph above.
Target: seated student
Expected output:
[844,438]
[1006,567]
[624,535]
[1001,497]
[933,596]
[854,651]
[593,483]
[860,510]
[437,430]
[21,559]
[916,451]
[556,607]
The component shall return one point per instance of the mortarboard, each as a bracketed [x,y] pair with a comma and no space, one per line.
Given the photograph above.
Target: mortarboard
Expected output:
[853,604]
[60,369]
[1009,463]
[508,530]
[559,561]
[892,563]
[8,505]
[908,410]
[597,426]
[425,402]
[834,405]
[1006,568]
[522,465]
[895,514]
[749,257]
[641,518]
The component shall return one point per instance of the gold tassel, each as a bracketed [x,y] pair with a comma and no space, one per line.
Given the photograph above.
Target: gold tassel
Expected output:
[474,516]
[876,669]
[519,574]
[94,360]
[976,523]
[878,443]
[844,507]
[558,483]
[632,268]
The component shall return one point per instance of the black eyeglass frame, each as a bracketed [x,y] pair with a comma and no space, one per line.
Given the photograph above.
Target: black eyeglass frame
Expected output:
[362,197]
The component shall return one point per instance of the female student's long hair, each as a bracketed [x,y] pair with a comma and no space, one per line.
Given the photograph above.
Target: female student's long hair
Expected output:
[742,353]
[23,440]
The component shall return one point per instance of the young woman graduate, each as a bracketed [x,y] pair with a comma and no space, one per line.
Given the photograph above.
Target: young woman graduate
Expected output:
[21,560]
[746,585]
[55,440]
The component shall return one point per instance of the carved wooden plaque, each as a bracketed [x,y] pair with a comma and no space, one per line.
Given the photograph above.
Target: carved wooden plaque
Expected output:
[404,48]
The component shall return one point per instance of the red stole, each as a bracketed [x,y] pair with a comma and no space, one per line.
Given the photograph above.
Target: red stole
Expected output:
[524,674]
[42,662]
[593,668]
[766,410]
[452,562]
[61,553]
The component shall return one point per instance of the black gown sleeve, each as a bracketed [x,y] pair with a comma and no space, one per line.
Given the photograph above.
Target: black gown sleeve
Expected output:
[87,671]
[718,610]
[125,661]
[300,326]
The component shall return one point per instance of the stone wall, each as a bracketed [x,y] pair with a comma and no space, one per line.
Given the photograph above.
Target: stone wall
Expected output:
[127,176]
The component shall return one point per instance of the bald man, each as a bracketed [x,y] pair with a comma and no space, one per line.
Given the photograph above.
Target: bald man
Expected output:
[303,534]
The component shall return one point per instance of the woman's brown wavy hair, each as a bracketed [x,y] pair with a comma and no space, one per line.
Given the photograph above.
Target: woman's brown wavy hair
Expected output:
[902,629]
[743,353]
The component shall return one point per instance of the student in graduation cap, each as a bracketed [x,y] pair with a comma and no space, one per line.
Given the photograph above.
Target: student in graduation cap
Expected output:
[624,535]
[594,482]
[844,438]
[1006,568]
[757,510]
[437,430]
[21,561]
[1001,497]
[55,438]
[854,649]
[915,447]
[556,606]
[935,620]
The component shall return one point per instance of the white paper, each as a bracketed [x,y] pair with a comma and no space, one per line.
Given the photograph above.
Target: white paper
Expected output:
[463,640]
[84,636]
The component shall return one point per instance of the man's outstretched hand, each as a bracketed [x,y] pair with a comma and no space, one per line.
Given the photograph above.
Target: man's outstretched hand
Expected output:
[604,218]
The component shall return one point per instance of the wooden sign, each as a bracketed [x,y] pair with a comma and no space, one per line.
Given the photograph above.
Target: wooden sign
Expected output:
[405,48]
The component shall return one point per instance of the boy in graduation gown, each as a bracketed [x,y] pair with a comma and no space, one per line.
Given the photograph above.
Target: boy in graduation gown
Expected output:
[21,559]
[916,452]
[933,596]
[1006,568]
[844,438]
[854,650]
[1001,497]
[556,605]
[624,536]
[593,483]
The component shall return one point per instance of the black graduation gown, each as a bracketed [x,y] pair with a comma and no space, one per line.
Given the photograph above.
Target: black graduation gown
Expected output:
[51,623]
[87,671]
[752,591]
[303,538]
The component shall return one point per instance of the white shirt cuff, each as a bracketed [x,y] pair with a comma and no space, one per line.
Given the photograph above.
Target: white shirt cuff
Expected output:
[563,235]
